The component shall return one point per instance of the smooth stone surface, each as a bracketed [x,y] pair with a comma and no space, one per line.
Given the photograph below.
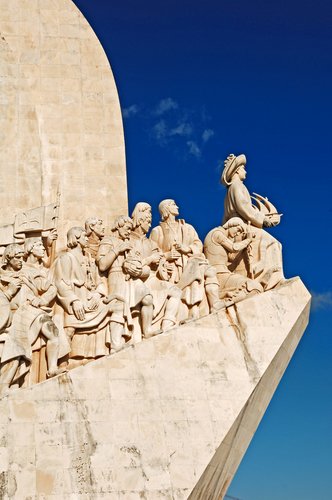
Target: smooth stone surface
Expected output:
[61,121]
[161,419]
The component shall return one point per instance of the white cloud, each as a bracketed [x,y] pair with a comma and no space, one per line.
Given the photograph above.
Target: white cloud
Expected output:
[130,111]
[194,149]
[321,300]
[165,105]
[207,134]
[183,129]
[160,131]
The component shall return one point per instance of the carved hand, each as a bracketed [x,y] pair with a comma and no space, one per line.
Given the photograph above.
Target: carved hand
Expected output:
[94,301]
[36,302]
[271,220]
[14,287]
[126,245]
[52,236]
[172,255]
[154,259]
[133,268]
[182,248]
[78,310]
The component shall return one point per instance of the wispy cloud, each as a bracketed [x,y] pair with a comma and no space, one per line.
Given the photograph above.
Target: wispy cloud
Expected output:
[207,134]
[130,111]
[321,300]
[194,149]
[165,105]
[183,129]
[160,131]
[163,132]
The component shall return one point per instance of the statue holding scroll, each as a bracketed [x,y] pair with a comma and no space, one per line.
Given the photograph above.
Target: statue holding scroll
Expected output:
[91,318]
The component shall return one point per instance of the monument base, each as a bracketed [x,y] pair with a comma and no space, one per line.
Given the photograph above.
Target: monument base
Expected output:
[170,417]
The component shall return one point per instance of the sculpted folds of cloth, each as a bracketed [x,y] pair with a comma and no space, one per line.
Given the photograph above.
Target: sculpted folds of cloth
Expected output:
[112,289]
[264,261]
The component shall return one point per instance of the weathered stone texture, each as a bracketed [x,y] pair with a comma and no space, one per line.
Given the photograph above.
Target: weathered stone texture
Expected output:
[159,417]
[60,116]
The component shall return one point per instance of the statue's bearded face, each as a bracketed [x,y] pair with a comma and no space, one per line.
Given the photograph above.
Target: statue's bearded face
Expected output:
[173,209]
[125,230]
[146,220]
[98,228]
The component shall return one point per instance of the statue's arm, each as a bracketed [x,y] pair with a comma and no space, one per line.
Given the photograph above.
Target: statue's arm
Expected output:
[229,245]
[242,202]
[63,277]
[156,236]
[196,245]
[106,256]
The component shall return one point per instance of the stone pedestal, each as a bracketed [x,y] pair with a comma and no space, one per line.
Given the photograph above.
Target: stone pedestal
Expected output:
[170,417]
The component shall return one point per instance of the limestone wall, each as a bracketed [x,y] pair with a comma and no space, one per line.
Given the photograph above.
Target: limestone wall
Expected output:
[161,419]
[60,116]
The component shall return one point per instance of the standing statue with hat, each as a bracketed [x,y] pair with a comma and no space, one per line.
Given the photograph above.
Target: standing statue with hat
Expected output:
[263,258]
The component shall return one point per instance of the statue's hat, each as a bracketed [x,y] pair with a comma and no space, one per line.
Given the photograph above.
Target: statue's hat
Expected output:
[231,164]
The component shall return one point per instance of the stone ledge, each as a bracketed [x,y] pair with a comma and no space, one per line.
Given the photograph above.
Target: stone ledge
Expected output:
[159,417]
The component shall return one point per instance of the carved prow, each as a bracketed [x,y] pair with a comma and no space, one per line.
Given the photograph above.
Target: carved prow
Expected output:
[264,205]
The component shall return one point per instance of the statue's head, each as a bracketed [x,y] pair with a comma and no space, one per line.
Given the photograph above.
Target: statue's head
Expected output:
[95,225]
[235,226]
[168,207]
[76,236]
[142,216]
[123,225]
[233,165]
[35,247]
[13,257]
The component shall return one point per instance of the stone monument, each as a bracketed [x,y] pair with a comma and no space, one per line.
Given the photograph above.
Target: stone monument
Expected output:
[131,366]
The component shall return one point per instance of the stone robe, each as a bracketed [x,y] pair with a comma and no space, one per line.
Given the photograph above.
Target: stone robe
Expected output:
[238,204]
[119,282]
[222,252]
[188,270]
[23,334]
[75,280]
[264,261]
[159,288]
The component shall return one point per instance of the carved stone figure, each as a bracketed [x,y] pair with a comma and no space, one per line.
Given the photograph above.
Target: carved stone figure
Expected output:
[92,320]
[124,268]
[264,261]
[225,246]
[166,295]
[30,293]
[95,231]
[187,265]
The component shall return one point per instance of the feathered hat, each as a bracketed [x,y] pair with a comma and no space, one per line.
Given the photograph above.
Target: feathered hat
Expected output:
[231,164]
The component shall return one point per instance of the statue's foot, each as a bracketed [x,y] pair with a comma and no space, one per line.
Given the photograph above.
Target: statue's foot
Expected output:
[272,278]
[166,325]
[218,305]
[55,372]
[4,391]
[149,335]
[117,348]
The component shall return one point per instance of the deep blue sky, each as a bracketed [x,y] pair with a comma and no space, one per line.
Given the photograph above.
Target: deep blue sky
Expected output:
[197,81]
